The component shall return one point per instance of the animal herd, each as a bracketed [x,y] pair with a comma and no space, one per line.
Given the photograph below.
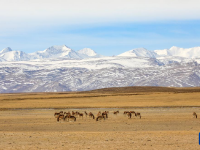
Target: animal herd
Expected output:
[129,113]
[66,116]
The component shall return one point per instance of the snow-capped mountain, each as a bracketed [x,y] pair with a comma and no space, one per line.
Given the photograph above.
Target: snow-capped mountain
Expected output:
[52,52]
[5,50]
[56,52]
[181,52]
[59,68]
[89,53]
[139,52]
[88,74]
[163,52]
[8,55]
[63,51]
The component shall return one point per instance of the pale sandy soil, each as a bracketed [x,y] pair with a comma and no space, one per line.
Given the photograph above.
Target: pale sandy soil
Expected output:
[159,128]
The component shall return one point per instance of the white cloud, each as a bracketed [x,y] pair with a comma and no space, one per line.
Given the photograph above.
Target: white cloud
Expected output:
[35,13]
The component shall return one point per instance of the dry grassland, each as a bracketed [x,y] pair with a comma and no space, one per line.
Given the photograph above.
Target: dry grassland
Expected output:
[106,98]
[27,120]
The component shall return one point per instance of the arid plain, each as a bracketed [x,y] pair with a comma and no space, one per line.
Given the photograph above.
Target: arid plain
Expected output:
[27,119]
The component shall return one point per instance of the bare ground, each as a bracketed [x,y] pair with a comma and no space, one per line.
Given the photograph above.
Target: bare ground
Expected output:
[159,128]
[166,123]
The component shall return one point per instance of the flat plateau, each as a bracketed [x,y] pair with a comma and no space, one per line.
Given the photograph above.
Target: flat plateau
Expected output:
[27,120]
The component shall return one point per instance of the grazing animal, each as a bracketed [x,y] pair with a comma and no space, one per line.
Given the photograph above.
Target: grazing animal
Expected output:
[99,113]
[116,112]
[80,115]
[129,114]
[125,112]
[138,114]
[73,113]
[70,117]
[76,113]
[105,114]
[91,115]
[56,114]
[67,113]
[132,112]
[194,115]
[100,117]
[86,113]
[60,117]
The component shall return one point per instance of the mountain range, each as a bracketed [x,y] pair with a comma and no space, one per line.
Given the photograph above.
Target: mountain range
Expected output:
[7,54]
[59,68]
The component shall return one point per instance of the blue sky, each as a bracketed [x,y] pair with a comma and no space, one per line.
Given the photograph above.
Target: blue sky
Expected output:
[109,28]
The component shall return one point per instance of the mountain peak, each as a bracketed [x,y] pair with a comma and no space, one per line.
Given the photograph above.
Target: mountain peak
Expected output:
[60,47]
[57,49]
[5,50]
[87,51]
[139,52]
[193,52]
[174,47]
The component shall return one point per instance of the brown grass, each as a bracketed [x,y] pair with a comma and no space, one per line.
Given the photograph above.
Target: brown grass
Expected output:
[167,121]
[114,97]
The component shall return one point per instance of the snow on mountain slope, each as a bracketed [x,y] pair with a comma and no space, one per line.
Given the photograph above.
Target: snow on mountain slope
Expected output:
[9,55]
[1,59]
[163,52]
[52,52]
[168,60]
[5,50]
[190,52]
[56,72]
[181,52]
[88,53]
[90,64]
[88,74]
[139,52]
[63,51]
[55,52]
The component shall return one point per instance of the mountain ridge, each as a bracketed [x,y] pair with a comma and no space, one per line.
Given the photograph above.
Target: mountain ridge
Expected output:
[62,51]
[59,68]
[96,73]
[193,52]
[7,54]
